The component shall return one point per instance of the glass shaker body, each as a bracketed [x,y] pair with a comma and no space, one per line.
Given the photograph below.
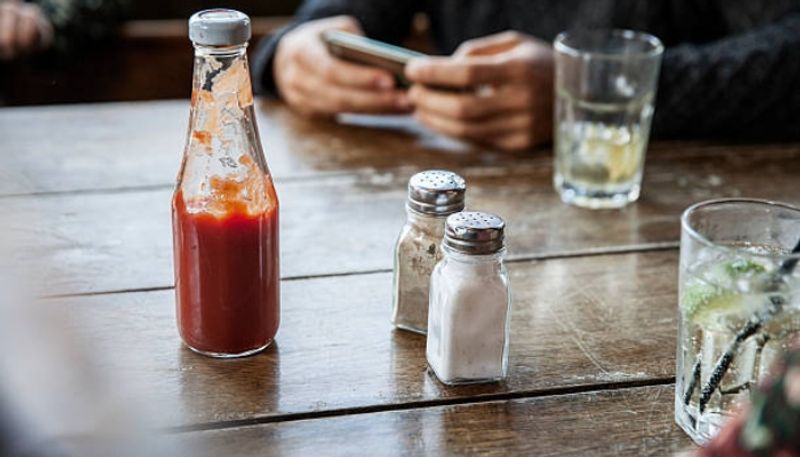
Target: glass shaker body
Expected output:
[416,253]
[225,212]
[433,195]
[470,312]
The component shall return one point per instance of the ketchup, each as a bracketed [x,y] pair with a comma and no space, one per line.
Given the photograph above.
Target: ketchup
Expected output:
[226,278]
[225,209]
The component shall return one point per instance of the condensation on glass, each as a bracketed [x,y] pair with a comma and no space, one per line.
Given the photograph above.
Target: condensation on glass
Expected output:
[739,306]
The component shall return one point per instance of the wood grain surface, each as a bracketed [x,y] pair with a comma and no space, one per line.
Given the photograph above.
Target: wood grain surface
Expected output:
[576,323]
[343,224]
[627,422]
[124,145]
[86,205]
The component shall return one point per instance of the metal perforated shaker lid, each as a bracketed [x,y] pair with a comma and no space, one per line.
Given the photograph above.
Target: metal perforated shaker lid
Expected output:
[474,232]
[219,27]
[436,192]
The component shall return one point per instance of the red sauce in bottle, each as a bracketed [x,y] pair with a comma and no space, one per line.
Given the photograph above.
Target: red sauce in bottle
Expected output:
[225,209]
[226,277]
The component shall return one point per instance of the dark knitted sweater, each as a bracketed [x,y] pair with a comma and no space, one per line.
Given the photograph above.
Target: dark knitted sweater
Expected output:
[731,67]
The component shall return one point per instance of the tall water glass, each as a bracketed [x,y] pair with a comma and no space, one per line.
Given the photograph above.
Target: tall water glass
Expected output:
[739,305]
[605,87]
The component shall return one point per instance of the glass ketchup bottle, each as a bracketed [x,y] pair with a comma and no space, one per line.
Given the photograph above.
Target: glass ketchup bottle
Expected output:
[225,209]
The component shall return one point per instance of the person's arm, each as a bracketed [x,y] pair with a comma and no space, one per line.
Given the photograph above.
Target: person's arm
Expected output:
[79,22]
[385,20]
[746,85]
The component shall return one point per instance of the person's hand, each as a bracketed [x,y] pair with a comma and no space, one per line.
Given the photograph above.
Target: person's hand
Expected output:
[24,29]
[496,90]
[314,82]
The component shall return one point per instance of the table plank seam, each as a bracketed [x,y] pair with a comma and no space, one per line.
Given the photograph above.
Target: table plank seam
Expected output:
[88,191]
[421,404]
[299,178]
[597,251]
[534,163]
[591,252]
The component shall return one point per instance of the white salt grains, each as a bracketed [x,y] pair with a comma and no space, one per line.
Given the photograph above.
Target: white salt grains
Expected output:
[469,309]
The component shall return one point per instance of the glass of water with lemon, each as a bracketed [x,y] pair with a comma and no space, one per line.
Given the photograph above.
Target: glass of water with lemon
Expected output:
[739,306]
[605,87]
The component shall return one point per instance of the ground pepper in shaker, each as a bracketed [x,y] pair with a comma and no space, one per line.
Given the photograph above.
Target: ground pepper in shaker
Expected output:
[432,196]
[470,302]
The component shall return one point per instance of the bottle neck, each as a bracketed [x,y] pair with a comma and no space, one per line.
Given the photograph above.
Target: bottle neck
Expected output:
[415,216]
[216,66]
[458,256]
[432,225]
[223,159]
[238,50]
[222,95]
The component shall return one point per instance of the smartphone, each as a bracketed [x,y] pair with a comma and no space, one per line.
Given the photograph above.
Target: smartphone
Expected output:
[366,51]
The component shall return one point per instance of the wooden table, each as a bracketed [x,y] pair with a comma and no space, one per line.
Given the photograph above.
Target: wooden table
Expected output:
[594,311]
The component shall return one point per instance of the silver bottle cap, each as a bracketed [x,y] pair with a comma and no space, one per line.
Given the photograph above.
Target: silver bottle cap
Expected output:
[219,27]
[436,192]
[474,232]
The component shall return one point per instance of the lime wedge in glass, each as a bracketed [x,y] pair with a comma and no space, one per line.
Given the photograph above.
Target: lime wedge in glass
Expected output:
[715,300]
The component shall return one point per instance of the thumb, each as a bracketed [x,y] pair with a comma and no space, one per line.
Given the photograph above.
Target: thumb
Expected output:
[348,24]
[489,45]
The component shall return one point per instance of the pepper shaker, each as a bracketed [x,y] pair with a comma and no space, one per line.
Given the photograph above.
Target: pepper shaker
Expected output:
[432,196]
[470,302]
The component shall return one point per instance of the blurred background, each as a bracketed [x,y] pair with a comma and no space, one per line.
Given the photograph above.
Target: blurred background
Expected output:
[145,53]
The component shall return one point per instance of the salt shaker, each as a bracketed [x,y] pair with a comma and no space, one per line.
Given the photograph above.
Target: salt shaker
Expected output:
[432,196]
[470,302]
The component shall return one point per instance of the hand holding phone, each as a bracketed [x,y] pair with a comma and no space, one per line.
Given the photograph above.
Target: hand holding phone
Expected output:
[507,97]
[366,51]
[315,82]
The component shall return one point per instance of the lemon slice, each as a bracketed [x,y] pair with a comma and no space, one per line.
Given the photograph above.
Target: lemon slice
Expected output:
[622,163]
[708,303]
[715,309]
[695,297]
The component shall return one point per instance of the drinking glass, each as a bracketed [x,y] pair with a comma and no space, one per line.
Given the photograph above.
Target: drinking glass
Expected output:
[739,305]
[605,84]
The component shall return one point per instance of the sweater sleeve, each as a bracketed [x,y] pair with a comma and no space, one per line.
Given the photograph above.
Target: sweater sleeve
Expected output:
[385,20]
[745,86]
[78,23]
